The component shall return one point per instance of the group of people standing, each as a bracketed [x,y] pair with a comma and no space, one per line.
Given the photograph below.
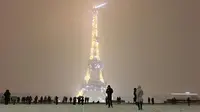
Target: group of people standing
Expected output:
[138,98]
[150,100]
[137,92]
[7,98]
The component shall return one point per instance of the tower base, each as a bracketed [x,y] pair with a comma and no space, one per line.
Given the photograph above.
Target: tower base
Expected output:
[95,90]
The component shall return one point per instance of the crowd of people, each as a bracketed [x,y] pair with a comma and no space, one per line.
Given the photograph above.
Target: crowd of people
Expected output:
[137,93]
[42,100]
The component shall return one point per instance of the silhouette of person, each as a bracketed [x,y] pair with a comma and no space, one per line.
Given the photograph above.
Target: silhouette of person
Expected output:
[45,99]
[18,100]
[188,100]
[82,100]
[139,94]
[135,96]
[74,101]
[149,100]
[49,99]
[109,92]
[174,100]
[79,99]
[56,100]
[70,100]
[30,100]
[35,99]
[152,101]
[23,100]
[41,99]
[7,95]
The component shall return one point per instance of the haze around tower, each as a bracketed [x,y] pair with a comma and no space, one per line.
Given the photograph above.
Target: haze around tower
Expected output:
[45,45]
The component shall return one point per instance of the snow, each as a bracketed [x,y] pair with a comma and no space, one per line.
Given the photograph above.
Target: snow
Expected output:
[97,108]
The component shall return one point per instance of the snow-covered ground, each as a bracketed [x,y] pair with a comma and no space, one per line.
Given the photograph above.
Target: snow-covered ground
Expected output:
[97,108]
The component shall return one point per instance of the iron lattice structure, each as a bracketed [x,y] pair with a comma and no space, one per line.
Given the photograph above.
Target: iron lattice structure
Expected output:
[94,85]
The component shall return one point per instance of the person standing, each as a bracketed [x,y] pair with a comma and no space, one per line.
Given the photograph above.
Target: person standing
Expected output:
[56,100]
[74,101]
[7,97]
[30,100]
[139,94]
[82,100]
[109,92]
[36,99]
[70,100]
[135,96]
[188,100]
[152,100]
[149,100]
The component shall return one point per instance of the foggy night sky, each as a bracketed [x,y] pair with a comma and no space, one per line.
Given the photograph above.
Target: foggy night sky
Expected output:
[45,44]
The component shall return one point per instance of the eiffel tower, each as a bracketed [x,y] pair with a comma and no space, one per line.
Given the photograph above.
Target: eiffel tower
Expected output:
[94,85]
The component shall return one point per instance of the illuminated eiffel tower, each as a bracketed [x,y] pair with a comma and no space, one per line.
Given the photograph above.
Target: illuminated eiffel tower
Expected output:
[94,85]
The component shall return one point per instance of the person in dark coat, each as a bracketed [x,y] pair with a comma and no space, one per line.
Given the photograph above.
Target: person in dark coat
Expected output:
[30,100]
[7,95]
[45,99]
[23,100]
[109,92]
[56,100]
[82,100]
[152,101]
[79,99]
[149,100]
[135,96]
[188,100]
[36,99]
[74,101]
[70,100]
[41,99]
[49,99]
[18,100]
